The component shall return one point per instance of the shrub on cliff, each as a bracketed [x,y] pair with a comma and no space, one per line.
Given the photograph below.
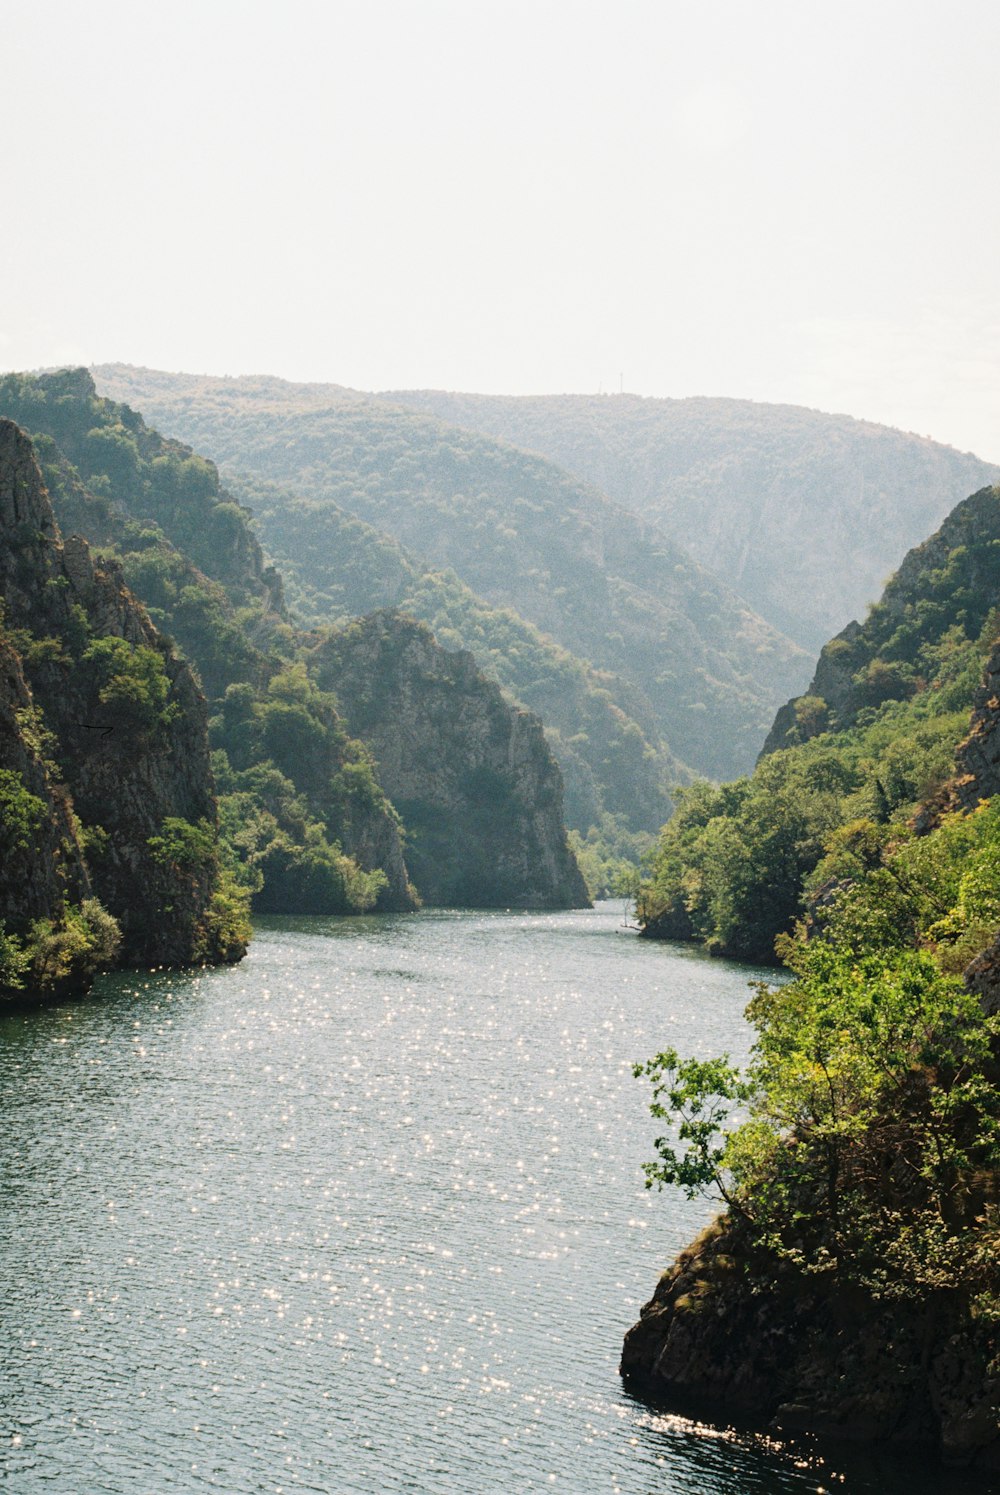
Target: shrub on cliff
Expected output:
[856,1268]
[871,1144]
[61,954]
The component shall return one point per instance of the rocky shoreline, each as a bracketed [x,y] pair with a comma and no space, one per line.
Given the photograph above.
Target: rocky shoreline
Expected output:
[726,1333]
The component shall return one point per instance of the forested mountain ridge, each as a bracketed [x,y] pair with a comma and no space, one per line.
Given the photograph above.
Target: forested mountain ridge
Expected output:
[517,530]
[847,765]
[305,824]
[108,815]
[804,513]
[294,839]
[604,733]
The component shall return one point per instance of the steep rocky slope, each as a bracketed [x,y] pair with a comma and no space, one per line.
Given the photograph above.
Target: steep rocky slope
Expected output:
[306,825]
[871,743]
[802,512]
[977,757]
[472,776]
[43,861]
[851,1286]
[118,723]
[603,731]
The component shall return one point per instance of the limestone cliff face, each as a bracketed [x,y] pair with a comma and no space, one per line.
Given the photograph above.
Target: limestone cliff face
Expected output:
[126,717]
[724,1333]
[471,775]
[832,684]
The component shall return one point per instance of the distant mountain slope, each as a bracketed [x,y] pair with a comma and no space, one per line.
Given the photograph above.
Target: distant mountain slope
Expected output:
[517,530]
[854,767]
[802,512]
[602,730]
[944,594]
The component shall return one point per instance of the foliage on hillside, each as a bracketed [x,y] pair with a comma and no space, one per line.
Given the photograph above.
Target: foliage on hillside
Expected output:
[857,1158]
[941,596]
[604,735]
[144,500]
[286,771]
[858,1155]
[54,935]
[872,739]
[103,744]
[514,528]
[803,512]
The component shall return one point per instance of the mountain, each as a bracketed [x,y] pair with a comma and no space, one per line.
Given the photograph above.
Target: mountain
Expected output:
[108,811]
[801,512]
[847,765]
[603,732]
[516,529]
[942,595]
[306,825]
[850,1284]
[142,500]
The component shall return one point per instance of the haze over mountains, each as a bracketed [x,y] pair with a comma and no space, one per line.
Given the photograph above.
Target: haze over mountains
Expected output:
[615,591]
[803,513]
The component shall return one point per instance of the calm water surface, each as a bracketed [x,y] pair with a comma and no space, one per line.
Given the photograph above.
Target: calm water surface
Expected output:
[362,1214]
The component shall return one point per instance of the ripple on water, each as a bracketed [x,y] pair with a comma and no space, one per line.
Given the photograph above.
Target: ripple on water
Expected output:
[363,1214]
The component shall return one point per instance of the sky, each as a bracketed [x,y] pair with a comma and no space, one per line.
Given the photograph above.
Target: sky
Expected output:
[791,202]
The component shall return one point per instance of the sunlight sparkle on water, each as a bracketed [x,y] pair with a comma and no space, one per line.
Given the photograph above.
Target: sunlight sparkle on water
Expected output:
[363,1214]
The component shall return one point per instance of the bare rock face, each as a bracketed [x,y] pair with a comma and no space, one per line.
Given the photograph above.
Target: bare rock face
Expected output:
[978,756]
[727,1334]
[132,749]
[471,775]
[982,976]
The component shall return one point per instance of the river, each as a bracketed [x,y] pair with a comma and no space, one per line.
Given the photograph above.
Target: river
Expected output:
[363,1215]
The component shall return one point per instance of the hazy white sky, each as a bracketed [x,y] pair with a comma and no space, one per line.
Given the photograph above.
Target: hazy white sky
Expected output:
[783,201]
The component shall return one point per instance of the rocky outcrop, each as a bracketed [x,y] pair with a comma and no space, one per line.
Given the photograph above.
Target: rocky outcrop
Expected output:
[982,976]
[726,1333]
[831,688]
[471,775]
[127,725]
[978,755]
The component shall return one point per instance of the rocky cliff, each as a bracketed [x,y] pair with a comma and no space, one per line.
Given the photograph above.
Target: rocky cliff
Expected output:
[778,1323]
[977,757]
[471,775]
[724,1332]
[120,723]
[297,807]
